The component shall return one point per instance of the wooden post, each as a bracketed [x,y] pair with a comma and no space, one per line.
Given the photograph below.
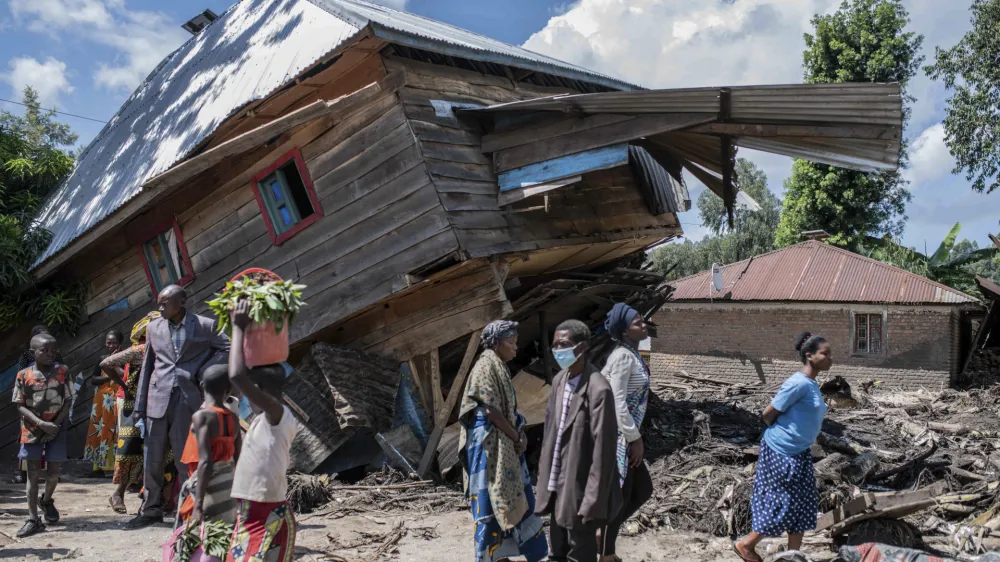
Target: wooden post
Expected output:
[435,383]
[442,415]
[547,359]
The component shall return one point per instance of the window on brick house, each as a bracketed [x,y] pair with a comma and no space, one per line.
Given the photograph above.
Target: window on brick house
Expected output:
[868,333]
[286,197]
[165,258]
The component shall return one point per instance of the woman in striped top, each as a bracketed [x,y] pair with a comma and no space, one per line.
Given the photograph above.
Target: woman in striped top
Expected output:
[629,378]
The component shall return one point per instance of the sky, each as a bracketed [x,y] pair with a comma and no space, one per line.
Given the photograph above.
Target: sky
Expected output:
[86,56]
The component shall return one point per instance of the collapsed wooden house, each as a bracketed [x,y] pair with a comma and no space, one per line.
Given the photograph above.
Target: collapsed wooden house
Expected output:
[418,178]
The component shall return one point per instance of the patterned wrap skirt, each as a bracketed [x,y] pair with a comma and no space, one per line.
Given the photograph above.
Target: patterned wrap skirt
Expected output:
[785,499]
[218,504]
[99,448]
[265,532]
[491,542]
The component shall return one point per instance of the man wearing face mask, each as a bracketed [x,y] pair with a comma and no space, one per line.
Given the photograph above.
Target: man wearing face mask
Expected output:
[578,481]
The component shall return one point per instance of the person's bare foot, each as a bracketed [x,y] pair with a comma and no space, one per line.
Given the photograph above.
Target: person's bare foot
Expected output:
[746,553]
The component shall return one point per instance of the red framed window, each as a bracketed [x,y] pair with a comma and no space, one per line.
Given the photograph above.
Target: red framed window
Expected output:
[868,333]
[286,197]
[165,258]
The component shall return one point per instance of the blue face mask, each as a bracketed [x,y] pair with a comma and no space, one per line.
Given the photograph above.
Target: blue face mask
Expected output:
[565,357]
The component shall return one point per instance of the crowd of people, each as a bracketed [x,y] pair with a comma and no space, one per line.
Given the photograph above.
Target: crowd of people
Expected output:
[164,421]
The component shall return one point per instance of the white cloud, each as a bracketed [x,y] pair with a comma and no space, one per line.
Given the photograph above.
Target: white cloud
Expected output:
[142,38]
[48,78]
[930,160]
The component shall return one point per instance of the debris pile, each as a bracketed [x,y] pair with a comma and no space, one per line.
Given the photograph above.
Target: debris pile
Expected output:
[915,469]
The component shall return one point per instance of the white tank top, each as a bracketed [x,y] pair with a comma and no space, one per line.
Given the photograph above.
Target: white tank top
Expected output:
[264,459]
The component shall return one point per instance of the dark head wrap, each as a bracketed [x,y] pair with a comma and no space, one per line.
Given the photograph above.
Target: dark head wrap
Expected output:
[618,320]
[495,332]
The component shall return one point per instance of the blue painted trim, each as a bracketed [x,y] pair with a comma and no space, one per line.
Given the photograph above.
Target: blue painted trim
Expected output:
[120,305]
[565,167]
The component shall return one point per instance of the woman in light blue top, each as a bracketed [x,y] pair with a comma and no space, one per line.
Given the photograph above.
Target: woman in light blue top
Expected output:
[784,485]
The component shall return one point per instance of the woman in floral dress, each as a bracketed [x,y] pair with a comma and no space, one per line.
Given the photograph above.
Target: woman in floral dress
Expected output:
[129,448]
[99,448]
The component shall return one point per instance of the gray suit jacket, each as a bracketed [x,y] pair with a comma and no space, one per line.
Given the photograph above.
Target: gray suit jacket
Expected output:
[163,369]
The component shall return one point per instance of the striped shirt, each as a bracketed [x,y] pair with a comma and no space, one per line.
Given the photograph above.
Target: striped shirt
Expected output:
[567,397]
[626,375]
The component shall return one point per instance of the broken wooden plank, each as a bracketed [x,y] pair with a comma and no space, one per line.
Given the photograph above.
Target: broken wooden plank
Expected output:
[441,416]
[564,167]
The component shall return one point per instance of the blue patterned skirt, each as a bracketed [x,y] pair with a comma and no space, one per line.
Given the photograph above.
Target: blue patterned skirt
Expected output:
[527,538]
[785,499]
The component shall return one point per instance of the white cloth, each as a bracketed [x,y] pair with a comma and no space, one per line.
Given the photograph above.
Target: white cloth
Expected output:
[626,376]
[264,459]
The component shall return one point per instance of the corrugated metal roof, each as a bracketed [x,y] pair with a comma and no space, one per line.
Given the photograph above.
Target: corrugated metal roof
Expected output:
[419,32]
[813,271]
[252,50]
[850,107]
[662,192]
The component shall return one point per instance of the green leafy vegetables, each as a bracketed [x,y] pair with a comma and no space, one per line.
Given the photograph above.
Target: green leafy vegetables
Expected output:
[215,543]
[270,301]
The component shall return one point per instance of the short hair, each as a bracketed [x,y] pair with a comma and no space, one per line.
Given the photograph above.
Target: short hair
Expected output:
[270,378]
[116,333]
[40,329]
[808,343]
[578,331]
[215,379]
[171,290]
[41,339]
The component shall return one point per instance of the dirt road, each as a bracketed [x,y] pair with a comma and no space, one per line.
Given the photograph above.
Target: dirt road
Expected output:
[90,531]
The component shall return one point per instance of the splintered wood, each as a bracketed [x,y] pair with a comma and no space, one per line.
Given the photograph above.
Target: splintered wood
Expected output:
[891,466]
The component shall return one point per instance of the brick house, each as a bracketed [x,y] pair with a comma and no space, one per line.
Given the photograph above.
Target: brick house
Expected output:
[883,323]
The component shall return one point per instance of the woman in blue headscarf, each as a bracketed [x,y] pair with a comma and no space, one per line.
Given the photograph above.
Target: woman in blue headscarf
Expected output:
[629,378]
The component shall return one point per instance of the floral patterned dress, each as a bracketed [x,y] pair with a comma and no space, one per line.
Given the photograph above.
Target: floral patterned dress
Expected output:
[99,448]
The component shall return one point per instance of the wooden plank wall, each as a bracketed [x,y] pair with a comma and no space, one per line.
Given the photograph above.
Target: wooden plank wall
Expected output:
[382,219]
[606,206]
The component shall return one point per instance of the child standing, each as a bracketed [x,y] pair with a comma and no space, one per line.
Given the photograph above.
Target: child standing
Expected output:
[265,525]
[578,482]
[43,396]
[211,451]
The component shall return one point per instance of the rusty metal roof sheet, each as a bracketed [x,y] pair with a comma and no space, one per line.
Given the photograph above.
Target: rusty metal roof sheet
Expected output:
[813,271]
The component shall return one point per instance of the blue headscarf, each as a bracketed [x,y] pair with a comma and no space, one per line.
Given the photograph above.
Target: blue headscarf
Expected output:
[618,320]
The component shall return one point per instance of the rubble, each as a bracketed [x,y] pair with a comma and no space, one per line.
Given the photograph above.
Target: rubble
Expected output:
[914,469]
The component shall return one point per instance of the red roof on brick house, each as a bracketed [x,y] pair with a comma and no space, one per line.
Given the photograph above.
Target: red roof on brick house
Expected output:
[816,272]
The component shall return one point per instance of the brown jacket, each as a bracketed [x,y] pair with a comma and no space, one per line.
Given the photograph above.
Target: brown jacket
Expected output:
[588,491]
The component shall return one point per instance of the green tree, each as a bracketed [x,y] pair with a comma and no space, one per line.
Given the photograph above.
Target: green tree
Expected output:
[33,161]
[752,233]
[972,117]
[863,41]
[953,263]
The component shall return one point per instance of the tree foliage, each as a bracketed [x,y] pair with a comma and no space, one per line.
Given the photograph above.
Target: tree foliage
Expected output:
[953,263]
[863,41]
[33,161]
[972,116]
[752,233]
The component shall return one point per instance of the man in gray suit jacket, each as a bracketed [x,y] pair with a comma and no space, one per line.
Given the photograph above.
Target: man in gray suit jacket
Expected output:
[179,346]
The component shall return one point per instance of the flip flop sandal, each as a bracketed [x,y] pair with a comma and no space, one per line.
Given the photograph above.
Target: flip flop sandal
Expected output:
[744,558]
[119,507]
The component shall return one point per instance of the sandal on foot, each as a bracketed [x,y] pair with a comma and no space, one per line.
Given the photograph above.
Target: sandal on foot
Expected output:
[31,526]
[49,507]
[739,553]
[118,507]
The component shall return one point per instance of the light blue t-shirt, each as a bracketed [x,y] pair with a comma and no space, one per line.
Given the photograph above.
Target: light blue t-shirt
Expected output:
[802,409]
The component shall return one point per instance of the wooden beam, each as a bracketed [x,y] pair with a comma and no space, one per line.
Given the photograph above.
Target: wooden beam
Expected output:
[515,195]
[547,358]
[995,240]
[544,130]
[867,132]
[564,167]
[624,131]
[442,415]
[728,187]
[435,380]
[147,196]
